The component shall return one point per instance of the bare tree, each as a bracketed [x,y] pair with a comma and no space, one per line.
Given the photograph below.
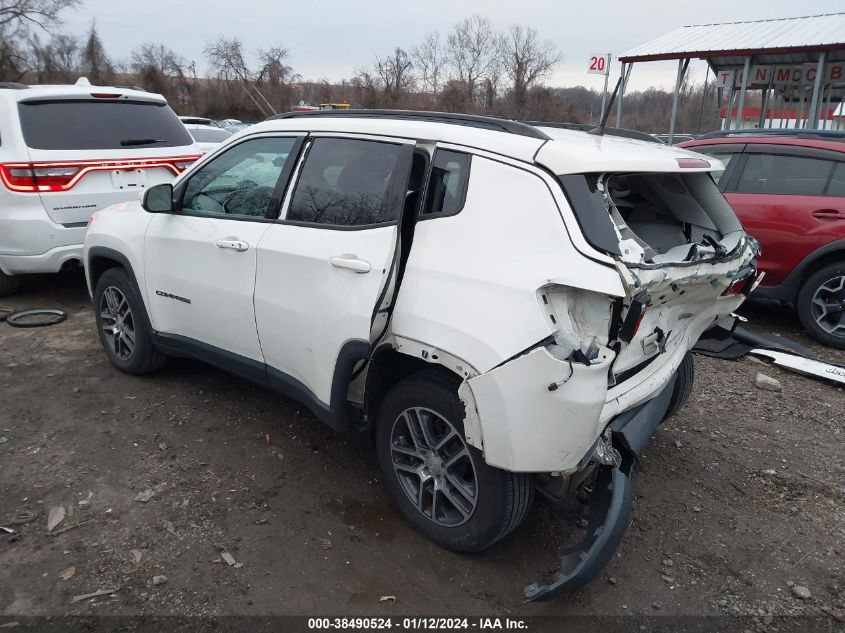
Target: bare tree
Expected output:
[430,60]
[226,59]
[95,62]
[158,67]
[395,73]
[526,60]
[56,61]
[472,48]
[274,71]
[22,14]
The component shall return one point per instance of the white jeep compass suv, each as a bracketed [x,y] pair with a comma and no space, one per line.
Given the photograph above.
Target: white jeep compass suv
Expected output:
[500,306]
[67,151]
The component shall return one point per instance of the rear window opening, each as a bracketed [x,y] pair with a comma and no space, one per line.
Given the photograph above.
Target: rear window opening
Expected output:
[654,219]
[68,124]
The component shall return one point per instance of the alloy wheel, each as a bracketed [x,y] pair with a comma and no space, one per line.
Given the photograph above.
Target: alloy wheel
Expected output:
[117,322]
[433,466]
[828,306]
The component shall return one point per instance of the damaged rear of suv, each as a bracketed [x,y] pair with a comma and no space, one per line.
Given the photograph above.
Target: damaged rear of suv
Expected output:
[502,307]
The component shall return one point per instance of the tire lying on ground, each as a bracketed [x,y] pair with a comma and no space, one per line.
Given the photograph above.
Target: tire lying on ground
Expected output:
[37,317]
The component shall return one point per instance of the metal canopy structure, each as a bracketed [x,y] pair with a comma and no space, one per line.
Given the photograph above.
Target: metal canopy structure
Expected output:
[797,60]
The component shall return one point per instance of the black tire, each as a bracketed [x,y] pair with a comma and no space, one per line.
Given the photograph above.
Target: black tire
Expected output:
[805,304]
[8,284]
[144,357]
[502,498]
[683,386]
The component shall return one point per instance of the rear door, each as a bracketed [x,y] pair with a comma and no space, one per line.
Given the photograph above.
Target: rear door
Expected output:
[90,153]
[325,266]
[781,194]
[201,260]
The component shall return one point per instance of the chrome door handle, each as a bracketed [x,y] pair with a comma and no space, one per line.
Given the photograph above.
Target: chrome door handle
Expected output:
[350,263]
[235,245]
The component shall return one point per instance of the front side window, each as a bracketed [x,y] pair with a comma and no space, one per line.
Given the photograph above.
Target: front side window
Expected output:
[448,184]
[348,182]
[241,181]
[781,174]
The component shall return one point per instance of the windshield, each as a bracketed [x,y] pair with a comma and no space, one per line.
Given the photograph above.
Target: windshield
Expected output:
[210,136]
[87,124]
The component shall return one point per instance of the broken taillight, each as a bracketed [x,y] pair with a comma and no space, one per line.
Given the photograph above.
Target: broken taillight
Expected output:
[633,319]
[47,177]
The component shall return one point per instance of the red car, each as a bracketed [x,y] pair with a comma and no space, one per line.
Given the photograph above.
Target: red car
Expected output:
[789,193]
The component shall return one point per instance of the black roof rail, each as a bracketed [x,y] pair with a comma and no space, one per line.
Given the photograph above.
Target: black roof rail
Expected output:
[471,120]
[12,85]
[608,131]
[834,135]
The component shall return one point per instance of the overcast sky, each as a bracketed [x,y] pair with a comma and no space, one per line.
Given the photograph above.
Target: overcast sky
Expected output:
[331,38]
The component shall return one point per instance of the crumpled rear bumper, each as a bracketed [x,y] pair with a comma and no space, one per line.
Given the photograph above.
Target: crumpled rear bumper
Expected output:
[610,503]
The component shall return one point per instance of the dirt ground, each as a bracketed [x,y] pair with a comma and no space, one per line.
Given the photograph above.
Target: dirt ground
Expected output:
[741,497]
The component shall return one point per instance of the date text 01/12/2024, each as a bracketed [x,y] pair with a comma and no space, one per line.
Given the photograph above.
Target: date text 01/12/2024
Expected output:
[417,624]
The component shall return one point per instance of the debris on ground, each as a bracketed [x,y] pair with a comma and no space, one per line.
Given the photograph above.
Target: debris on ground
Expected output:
[800,591]
[767,383]
[168,525]
[159,580]
[3,439]
[94,594]
[145,496]
[23,517]
[137,555]
[72,526]
[325,543]
[68,573]
[226,556]
[54,517]
[388,599]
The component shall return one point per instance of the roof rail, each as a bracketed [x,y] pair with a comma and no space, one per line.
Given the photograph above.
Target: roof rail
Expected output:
[471,120]
[608,131]
[833,135]
[11,85]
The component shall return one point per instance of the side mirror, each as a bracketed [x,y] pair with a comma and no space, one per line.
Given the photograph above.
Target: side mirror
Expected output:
[159,199]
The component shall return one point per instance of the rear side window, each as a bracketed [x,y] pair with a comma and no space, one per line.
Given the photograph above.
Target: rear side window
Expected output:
[447,187]
[837,181]
[781,174]
[350,182]
[81,124]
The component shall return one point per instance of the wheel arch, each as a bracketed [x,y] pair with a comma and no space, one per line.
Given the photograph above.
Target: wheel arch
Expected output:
[387,367]
[100,259]
[789,289]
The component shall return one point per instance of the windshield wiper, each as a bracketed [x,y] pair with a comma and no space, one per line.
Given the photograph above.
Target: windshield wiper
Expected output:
[142,141]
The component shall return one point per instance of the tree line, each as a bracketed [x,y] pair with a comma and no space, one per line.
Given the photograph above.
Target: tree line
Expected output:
[472,67]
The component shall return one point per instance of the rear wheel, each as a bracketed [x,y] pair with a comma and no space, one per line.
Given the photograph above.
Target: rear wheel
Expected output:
[123,326]
[8,284]
[821,305]
[685,377]
[442,485]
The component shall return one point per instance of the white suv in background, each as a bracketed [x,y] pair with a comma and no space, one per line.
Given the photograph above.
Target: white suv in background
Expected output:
[500,306]
[67,151]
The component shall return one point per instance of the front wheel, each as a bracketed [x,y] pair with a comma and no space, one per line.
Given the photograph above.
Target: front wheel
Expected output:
[123,326]
[821,305]
[442,485]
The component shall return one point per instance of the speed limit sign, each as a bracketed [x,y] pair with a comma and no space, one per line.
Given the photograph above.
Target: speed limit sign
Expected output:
[598,65]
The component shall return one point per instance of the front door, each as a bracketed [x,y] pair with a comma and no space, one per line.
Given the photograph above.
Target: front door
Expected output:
[327,263]
[201,260]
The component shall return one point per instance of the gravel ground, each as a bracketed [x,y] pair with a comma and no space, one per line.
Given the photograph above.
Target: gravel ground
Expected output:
[740,505]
